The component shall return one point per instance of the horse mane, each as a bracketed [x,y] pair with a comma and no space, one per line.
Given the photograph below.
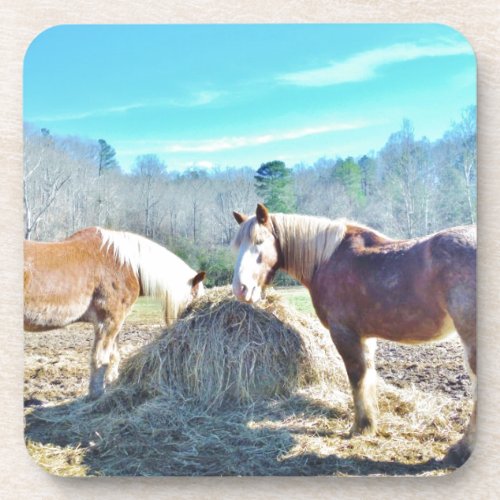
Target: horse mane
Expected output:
[306,241]
[161,273]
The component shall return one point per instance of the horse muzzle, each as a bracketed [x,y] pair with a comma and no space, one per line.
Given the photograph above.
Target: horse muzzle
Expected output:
[247,294]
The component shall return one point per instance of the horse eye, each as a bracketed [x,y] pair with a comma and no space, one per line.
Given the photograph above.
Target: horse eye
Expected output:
[259,258]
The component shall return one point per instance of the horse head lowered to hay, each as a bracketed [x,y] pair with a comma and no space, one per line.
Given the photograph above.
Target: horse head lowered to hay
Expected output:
[95,276]
[364,286]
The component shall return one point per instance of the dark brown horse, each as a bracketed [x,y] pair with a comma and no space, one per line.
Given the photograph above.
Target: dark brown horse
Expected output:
[95,276]
[365,286]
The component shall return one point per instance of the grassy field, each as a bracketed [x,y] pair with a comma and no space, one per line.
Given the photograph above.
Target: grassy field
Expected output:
[148,310]
[298,297]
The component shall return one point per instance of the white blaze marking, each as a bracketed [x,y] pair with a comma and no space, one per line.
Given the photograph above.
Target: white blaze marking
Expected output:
[247,268]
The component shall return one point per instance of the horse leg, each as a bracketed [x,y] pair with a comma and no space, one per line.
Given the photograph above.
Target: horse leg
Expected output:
[102,352]
[114,363]
[462,308]
[359,359]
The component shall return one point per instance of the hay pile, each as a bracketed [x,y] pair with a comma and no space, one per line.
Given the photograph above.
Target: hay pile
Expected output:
[232,389]
[224,352]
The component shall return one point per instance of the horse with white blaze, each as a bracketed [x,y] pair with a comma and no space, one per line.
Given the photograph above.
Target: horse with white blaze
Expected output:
[365,286]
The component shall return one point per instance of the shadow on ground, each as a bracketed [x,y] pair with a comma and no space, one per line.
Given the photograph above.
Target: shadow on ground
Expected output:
[175,438]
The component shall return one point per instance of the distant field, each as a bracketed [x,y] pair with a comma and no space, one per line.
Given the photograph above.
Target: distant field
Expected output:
[148,310]
[299,297]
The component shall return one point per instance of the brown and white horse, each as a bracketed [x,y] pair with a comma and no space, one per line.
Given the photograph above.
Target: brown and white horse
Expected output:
[365,286]
[95,276]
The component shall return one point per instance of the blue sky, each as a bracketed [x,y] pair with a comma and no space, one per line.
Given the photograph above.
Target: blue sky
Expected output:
[241,95]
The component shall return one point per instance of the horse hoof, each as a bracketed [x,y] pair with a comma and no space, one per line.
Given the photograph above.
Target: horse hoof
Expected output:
[93,396]
[367,429]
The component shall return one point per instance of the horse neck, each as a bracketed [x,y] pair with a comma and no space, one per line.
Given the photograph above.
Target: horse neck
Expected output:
[161,273]
[306,242]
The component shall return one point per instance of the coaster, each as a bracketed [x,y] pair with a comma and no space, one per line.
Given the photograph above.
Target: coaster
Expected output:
[250,250]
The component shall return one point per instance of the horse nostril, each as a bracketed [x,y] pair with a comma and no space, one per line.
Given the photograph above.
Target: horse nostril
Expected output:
[239,290]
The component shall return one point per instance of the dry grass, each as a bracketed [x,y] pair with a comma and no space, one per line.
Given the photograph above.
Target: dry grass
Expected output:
[61,461]
[233,389]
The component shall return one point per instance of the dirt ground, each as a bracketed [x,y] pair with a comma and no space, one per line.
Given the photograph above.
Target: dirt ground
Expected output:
[56,363]
[56,373]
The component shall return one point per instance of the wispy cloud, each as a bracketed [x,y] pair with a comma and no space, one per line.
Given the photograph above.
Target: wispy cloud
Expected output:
[206,97]
[235,142]
[87,114]
[200,164]
[197,99]
[364,65]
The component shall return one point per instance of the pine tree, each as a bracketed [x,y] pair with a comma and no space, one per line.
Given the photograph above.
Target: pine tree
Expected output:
[368,168]
[348,173]
[107,160]
[274,185]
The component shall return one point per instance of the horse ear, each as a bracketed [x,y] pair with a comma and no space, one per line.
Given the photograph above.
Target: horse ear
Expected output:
[240,218]
[262,213]
[198,278]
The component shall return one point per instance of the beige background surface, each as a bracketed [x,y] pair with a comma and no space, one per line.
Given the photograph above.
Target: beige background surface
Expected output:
[22,20]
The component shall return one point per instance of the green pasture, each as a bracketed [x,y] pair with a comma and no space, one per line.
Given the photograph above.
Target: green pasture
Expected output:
[298,297]
[148,310]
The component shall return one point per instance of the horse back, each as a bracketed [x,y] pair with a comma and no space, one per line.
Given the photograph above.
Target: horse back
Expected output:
[67,281]
[396,289]
[60,266]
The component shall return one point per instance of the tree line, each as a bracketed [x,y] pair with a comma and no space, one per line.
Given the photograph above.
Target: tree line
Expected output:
[409,188]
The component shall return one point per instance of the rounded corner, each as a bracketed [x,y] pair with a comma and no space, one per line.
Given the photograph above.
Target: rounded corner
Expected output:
[38,37]
[48,470]
[35,461]
[456,460]
[459,35]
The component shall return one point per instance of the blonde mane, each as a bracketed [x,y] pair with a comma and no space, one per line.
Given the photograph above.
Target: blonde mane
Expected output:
[305,241]
[160,272]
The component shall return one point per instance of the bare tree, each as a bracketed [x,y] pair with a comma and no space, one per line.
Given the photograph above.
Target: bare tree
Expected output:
[464,135]
[235,192]
[407,181]
[410,187]
[148,173]
[44,177]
